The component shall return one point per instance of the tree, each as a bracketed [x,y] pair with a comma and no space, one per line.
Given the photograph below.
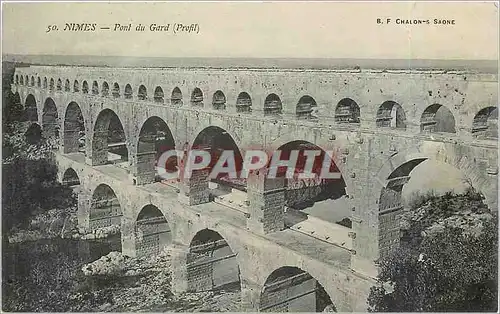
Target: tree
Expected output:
[448,261]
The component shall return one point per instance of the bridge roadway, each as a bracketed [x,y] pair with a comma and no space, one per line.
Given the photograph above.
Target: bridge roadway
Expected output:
[377,126]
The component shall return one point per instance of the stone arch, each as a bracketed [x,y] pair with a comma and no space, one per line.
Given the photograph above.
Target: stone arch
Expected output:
[437,118]
[337,154]
[59,85]
[395,173]
[33,134]
[391,206]
[159,95]
[22,80]
[142,93]
[45,84]
[95,88]
[243,102]
[216,140]
[305,107]
[74,129]
[155,138]
[70,178]
[391,114]
[76,86]
[105,89]
[128,93]
[109,137]
[197,97]
[105,208]
[27,80]
[312,195]
[176,97]
[39,82]
[67,87]
[50,123]
[152,231]
[116,90]
[291,289]
[272,105]
[437,152]
[347,111]
[485,123]
[30,108]
[208,247]
[32,81]
[219,101]
[17,79]
[85,87]
[51,84]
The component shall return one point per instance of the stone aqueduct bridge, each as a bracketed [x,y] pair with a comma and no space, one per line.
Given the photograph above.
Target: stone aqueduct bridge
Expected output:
[379,125]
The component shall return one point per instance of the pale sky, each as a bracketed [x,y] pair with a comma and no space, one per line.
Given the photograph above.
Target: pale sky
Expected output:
[279,29]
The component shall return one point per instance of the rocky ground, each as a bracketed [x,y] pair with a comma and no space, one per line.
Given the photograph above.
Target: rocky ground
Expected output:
[119,283]
[147,287]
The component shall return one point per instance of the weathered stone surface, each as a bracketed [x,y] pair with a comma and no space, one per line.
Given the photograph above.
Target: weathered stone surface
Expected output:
[372,147]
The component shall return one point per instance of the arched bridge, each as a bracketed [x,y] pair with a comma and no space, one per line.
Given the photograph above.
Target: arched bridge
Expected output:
[286,245]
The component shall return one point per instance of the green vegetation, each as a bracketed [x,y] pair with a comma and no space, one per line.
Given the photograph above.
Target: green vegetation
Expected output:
[447,260]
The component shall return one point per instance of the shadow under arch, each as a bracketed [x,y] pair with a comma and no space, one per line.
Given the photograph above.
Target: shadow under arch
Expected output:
[74,129]
[95,88]
[155,138]
[485,123]
[152,231]
[395,173]
[305,107]
[109,140]
[217,142]
[243,103]
[437,118]
[347,111]
[159,95]
[291,289]
[70,178]
[105,89]
[273,105]
[197,98]
[176,97]
[116,90]
[219,101]
[208,247]
[85,87]
[30,108]
[322,195]
[142,93]
[105,209]
[390,114]
[50,123]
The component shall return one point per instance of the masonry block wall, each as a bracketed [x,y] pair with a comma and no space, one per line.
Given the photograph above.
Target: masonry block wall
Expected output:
[194,190]
[266,198]
[367,153]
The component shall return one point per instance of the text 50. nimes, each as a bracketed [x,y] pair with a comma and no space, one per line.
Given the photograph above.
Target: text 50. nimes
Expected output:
[128,27]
